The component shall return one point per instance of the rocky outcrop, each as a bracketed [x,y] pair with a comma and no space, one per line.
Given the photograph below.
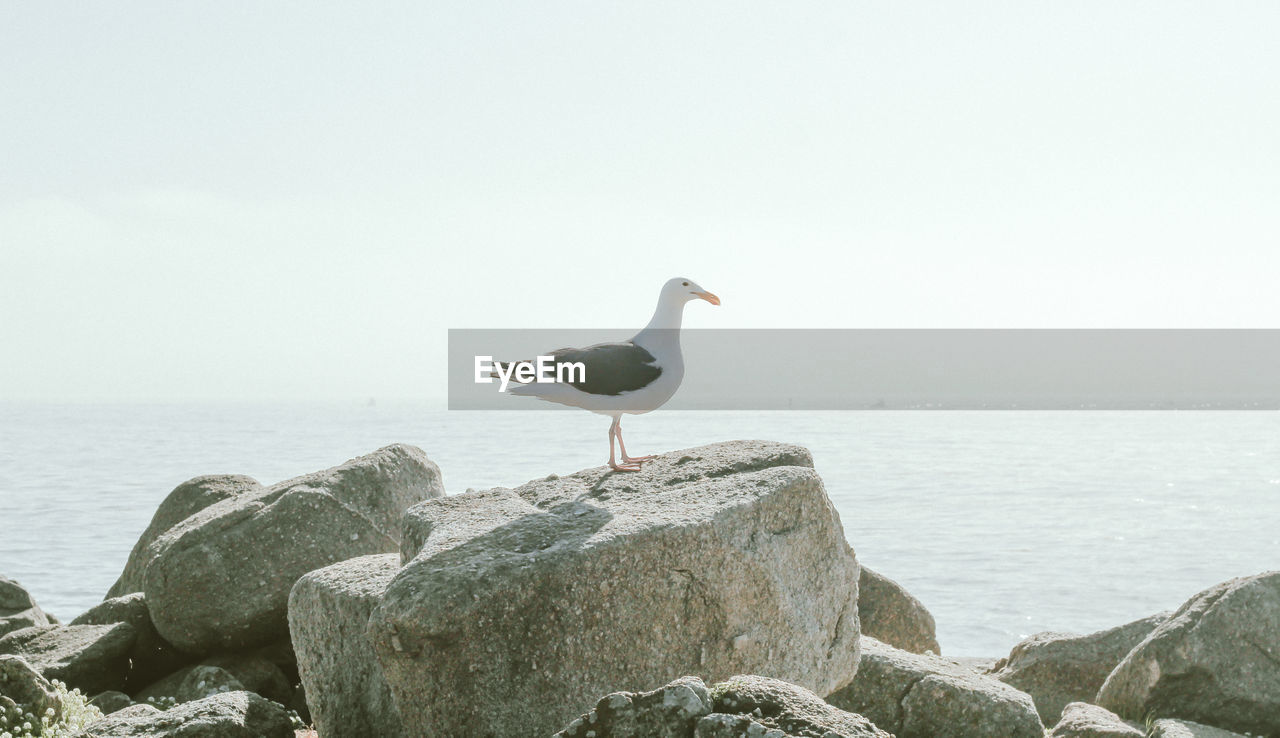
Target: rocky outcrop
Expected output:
[185,500]
[151,656]
[227,715]
[1171,728]
[924,696]
[219,580]
[1060,668]
[742,707]
[25,686]
[18,609]
[518,607]
[94,658]
[1082,720]
[1216,660]
[329,613]
[890,614]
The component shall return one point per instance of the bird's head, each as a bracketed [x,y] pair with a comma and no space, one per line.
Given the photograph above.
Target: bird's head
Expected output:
[685,290]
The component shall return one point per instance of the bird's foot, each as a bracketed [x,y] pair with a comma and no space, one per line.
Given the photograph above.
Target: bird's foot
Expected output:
[637,459]
[624,466]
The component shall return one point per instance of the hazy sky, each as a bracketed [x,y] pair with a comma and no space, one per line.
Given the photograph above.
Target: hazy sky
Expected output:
[296,200]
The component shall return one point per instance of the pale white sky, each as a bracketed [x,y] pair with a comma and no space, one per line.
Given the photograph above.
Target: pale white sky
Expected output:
[296,200]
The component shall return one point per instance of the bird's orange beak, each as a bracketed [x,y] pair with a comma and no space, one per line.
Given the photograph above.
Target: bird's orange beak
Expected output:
[708,297]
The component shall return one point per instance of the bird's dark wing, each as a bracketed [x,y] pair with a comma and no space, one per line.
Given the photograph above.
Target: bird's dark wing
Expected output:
[611,368]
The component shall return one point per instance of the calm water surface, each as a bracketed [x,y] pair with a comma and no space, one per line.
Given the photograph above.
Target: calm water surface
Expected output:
[1002,523]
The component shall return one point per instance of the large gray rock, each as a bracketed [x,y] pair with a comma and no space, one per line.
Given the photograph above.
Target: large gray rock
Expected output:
[185,500]
[220,579]
[18,609]
[1082,720]
[23,685]
[329,613]
[890,614]
[152,656]
[227,715]
[519,607]
[1060,668]
[742,707]
[925,696]
[94,658]
[1216,661]
[1172,728]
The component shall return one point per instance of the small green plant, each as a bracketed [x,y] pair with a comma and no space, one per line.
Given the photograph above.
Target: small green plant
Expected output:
[77,713]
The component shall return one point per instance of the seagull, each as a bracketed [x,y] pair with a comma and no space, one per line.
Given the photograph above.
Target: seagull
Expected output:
[628,377]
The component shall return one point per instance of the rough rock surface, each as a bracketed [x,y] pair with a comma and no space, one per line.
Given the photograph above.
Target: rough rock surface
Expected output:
[890,614]
[1172,728]
[1082,720]
[152,656]
[925,696]
[1060,668]
[329,613]
[219,580]
[519,607]
[1216,660]
[18,609]
[185,500]
[742,707]
[190,684]
[94,658]
[21,683]
[228,715]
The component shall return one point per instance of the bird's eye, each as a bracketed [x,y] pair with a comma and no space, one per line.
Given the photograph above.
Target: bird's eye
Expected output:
[686,284]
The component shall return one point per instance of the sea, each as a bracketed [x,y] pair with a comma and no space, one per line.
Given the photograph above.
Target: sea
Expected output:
[1003,523]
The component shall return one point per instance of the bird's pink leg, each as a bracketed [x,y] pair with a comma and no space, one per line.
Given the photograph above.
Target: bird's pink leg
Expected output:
[625,465]
[628,459]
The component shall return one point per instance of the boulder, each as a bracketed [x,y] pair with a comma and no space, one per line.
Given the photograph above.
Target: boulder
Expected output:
[25,686]
[152,656]
[94,658]
[1059,668]
[1216,660]
[257,673]
[189,684]
[891,615]
[185,500]
[111,701]
[518,607]
[1172,728]
[329,613]
[1082,720]
[219,580]
[742,707]
[227,715]
[925,696]
[18,609]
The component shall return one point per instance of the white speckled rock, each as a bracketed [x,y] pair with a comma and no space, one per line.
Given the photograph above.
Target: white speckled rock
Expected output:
[227,715]
[1215,661]
[328,620]
[518,608]
[924,696]
[1082,720]
[220,579]
[1060,668]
